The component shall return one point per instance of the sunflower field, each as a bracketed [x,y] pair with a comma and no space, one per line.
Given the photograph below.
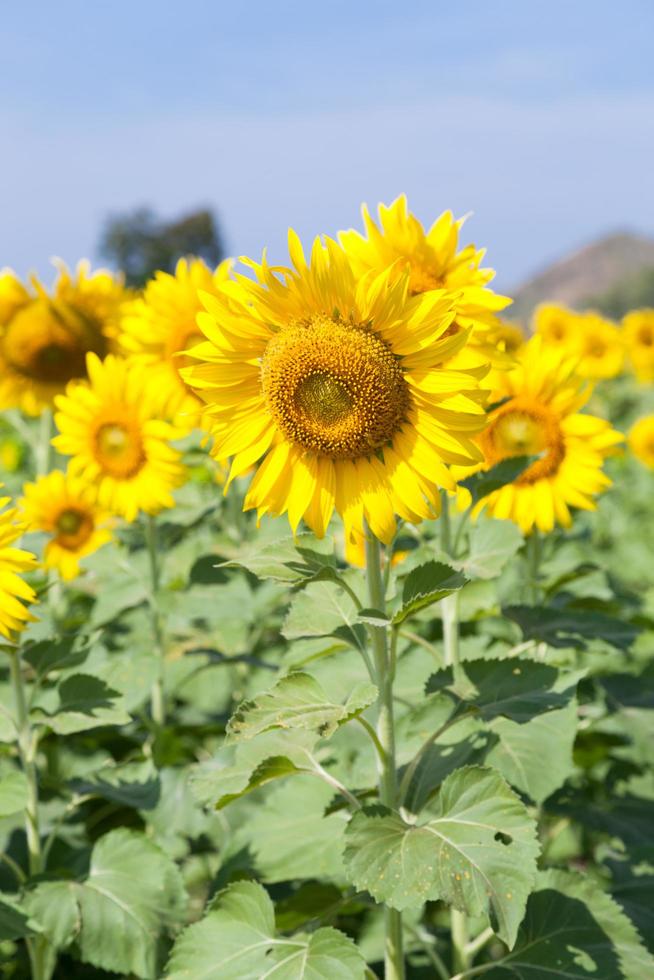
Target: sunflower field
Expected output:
[327,615]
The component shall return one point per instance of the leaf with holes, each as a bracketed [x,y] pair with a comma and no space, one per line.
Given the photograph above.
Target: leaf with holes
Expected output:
[477,852]
[238,934]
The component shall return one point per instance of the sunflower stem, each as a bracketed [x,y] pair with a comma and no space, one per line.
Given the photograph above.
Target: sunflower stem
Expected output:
[533,555]
[386,765]
[158,699]
[44,445]
[460,939]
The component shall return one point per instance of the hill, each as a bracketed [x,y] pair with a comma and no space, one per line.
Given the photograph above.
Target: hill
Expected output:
[591,272]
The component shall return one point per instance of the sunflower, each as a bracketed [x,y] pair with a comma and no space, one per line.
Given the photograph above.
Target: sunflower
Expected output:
[44,338]
[641,440]
[433,260]
[335,382]
[65,508]
[638,331]
[540,416]
[111,428]
[15,593]
[600,347]
[557,325]
[158,328]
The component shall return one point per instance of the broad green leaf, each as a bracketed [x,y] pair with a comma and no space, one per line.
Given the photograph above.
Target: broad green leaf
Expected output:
[633,887]
[492,544]
[572,929]
[477,852]
[297,701]
[291,837]
[623,815]
[570,627]
[535,757]
[132,894]
[303,652]
[15,921]
[238,936]
[286,559]
[425,585]
[85,702]
[13,789]
[312,900]
[483,483]
[514,688]
[238,769]
[629,690]
[134,784]
[56,653]
[324,609]
[53,904]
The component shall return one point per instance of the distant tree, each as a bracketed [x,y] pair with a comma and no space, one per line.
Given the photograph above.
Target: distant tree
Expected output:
[632,293]
[139,243]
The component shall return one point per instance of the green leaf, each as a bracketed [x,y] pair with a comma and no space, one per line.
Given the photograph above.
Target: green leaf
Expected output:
[573,929]
[425,585]
[569,627]
[85,702]
[297,701]
[478,852]
[15,922]
[134,784]
[517,689]
[53,904]
[287,559]
[133,892]
[238,770]
[13,789]
[56,653]
[238,934]
[483,483]
[492,544]
[291,837]
[324,609]
[633,887]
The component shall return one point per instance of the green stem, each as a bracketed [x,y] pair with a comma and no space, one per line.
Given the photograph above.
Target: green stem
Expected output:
[158,700]
[534,555]
[460,939]
[44,447]
[445,524]
[386,766]
[450,615]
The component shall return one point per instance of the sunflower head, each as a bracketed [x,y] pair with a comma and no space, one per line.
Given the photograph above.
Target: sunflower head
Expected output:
[112,429]
[557,325]
[335,382]
[600,347]
[638,332]
[158,328]
[539,415]
[65,509]
[641,440]
[15,593]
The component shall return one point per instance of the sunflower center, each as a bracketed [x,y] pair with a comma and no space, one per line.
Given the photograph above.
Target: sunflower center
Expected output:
[74,527]
[595,347]
[119,449]
[334,388]
[646,337]
[48,343]
[522,428]
[422,278]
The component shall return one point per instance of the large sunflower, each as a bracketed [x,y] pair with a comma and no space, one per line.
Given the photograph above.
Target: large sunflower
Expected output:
[15,593]
[111,428]
[65,508]
[157,328]
[434,261]
[44,338]
[638,330]
[335,381]
[540,416]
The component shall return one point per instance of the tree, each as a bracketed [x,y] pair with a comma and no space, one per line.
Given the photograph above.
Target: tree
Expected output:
[139,243]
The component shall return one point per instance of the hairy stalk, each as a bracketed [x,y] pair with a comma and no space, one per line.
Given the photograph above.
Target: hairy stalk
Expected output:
[459,929]
[41,954]
[533,555]
[386,766]
[158,700]
[44,446]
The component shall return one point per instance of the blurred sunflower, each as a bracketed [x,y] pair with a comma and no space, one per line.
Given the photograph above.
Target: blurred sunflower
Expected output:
[334,380]
[540,416]
[638,331]
[65,508]
[557,325]
[111,428]
[157,328]
[44,339]
[15,593]
[600,347]
[641,440]
[433,260]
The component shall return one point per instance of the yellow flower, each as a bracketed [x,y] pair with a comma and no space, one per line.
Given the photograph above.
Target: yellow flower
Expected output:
[44,339]
[594,341]
[335,381]
[641,440]
[557,325]
[433,260]
[65,508]
[160,326]
[15,593]
[638,329]
[541,417]
[118,444]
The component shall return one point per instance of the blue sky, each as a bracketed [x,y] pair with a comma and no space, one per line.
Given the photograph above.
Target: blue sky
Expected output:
[536,116]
